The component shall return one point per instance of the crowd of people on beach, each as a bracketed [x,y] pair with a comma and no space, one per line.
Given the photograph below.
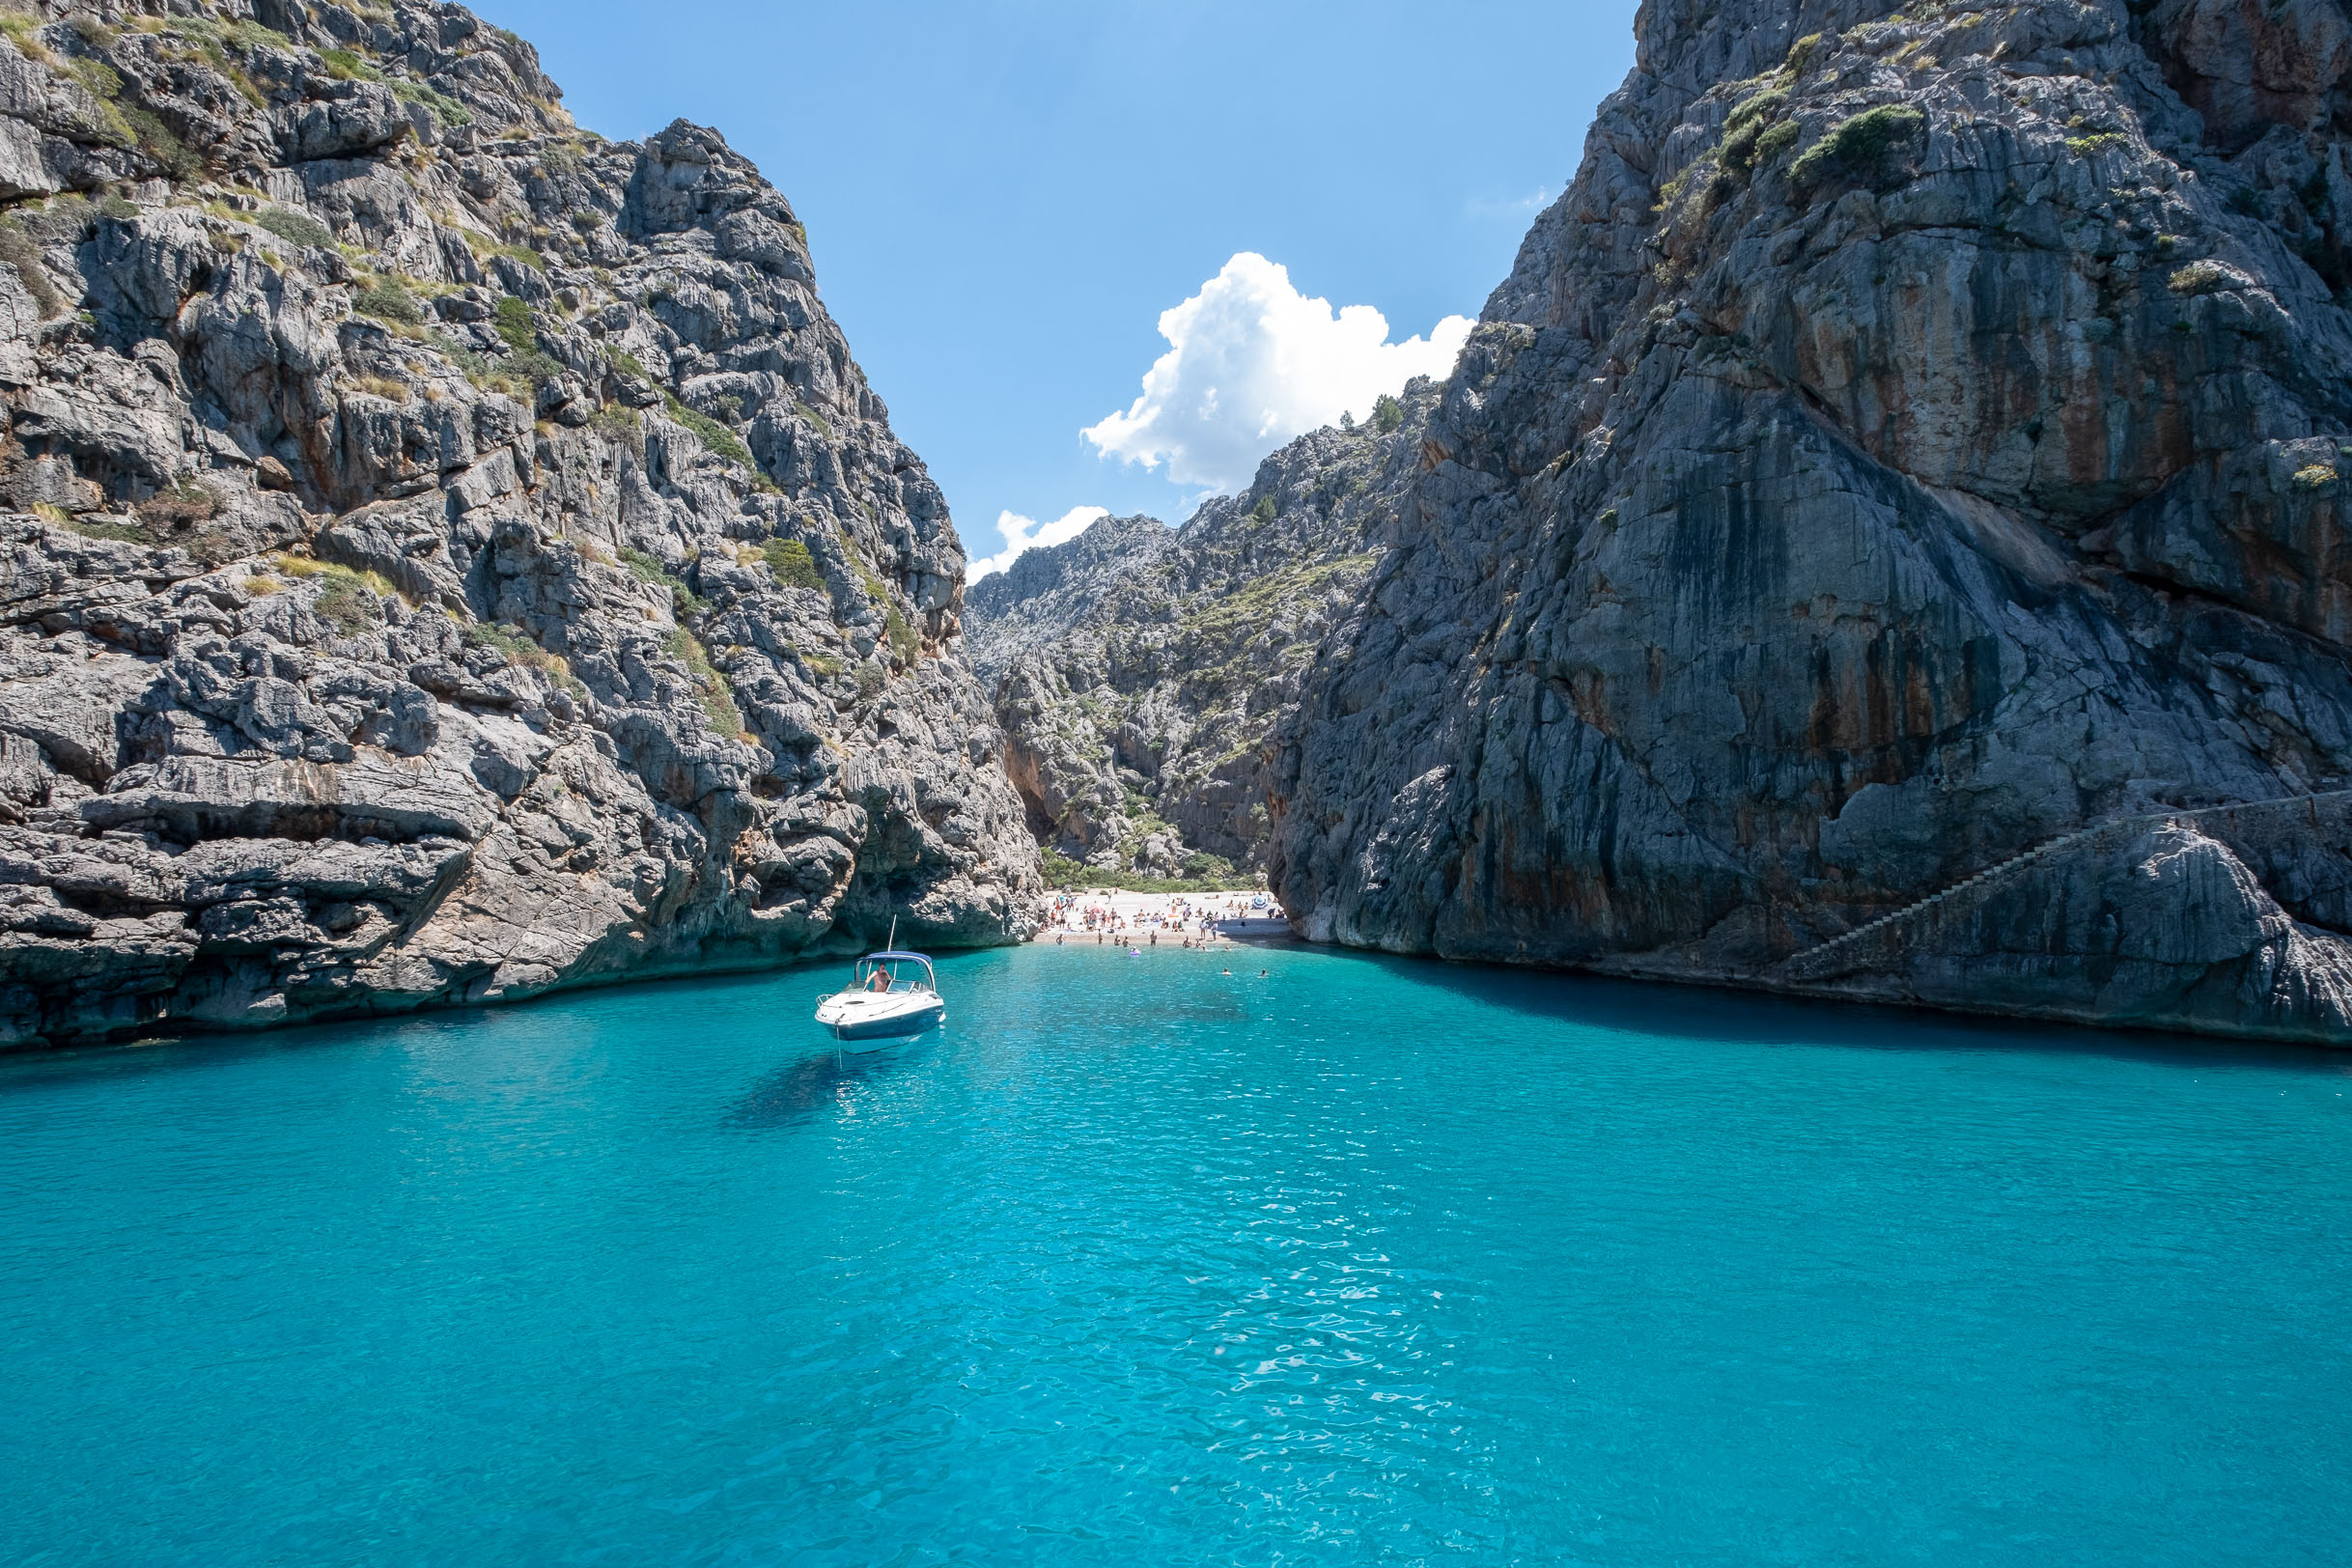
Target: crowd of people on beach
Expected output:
[1143,920]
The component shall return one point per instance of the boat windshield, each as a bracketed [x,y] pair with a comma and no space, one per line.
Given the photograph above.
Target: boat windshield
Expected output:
[880,972]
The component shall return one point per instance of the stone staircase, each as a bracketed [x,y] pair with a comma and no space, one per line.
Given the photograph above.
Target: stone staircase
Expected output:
[1816,962]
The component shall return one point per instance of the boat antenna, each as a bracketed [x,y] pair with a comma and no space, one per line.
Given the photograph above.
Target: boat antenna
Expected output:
[893,943]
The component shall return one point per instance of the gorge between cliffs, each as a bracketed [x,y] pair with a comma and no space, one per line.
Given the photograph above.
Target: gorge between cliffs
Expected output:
[1883,539]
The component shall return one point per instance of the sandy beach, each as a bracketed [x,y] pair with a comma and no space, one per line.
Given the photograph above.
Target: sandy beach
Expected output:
[1147,919]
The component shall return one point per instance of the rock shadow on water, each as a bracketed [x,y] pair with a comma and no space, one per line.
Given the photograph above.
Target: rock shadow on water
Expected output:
[1697,1013]
[217,1050]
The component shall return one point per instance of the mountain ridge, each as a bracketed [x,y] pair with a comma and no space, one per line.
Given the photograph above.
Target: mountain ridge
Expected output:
[455,556]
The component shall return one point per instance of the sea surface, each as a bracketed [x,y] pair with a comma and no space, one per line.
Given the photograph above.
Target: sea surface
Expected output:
[1135,1262]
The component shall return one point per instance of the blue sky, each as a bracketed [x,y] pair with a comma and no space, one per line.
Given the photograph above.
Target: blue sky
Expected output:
[1004,196]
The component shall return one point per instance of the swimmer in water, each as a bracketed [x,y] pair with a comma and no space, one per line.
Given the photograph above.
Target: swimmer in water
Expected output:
[1228,972]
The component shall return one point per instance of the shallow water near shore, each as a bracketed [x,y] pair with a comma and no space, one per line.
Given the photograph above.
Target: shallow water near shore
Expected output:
[1368,1261]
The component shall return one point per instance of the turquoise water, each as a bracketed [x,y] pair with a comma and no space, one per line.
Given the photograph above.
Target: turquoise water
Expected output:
[1366,1262]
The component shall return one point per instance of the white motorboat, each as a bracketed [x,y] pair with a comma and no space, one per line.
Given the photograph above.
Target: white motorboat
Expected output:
[1250,925]
[1262,918]
[890,994]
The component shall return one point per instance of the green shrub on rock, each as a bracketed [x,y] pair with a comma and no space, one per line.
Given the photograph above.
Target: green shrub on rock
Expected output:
[903,640]
[791,563]
[296,228]
[623,425]
[648,568]
[1742,146]
[387,301]
[345,66]
[1862,149]
[19,250]
[1215,875]
[519,329]
[511,317]
[2197,278]
[351,601]
[446,109]
[722,441]
[713,694]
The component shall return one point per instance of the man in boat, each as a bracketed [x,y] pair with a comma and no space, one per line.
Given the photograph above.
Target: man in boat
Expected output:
[878,980]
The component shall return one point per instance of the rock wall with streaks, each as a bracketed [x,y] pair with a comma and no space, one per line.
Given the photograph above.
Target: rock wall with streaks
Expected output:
[1910,436]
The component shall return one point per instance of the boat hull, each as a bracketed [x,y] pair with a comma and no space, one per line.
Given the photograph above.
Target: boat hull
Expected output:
[1252,925]
[854,1023]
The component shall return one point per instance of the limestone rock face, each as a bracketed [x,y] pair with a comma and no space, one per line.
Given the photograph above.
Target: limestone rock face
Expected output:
[1910,436]
[1141,671]
[446,555]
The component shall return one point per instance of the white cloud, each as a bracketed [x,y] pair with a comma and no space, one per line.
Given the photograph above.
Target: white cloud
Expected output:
[1488,207]
[1254,363]
[1026,533]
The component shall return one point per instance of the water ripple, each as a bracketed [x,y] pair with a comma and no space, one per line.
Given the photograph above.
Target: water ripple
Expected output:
[1136,1262]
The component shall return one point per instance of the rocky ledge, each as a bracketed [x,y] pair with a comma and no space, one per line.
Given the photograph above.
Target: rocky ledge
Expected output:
[447,556]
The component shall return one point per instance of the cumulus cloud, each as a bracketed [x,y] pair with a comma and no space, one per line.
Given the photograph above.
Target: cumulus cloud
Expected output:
[1251,363]
[1026,533]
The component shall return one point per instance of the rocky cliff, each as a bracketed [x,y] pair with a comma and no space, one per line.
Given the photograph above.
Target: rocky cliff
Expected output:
[1141,671]
[1912,436]
[447,555]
